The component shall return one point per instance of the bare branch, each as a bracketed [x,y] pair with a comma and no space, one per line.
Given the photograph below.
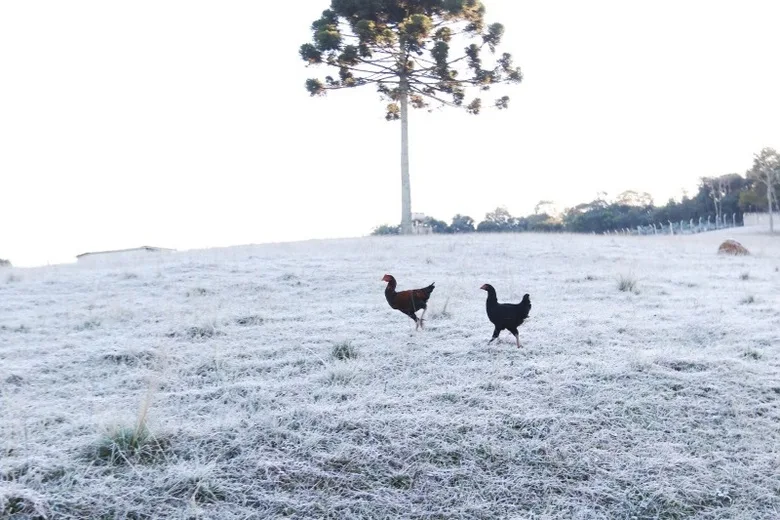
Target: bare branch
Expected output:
[433,80]
[383,67]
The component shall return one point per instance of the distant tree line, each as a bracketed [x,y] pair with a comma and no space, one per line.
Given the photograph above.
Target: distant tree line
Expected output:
[498,220]
[724,197]
[5,263]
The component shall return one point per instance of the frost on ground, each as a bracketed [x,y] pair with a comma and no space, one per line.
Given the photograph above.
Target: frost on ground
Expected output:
[275,381]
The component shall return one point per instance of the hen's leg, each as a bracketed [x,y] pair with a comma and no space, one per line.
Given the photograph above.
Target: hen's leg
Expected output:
[516,335]
[423,316]
[495,335]
[415,318]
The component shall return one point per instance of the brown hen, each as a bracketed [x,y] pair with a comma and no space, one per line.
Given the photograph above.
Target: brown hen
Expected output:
[408,302]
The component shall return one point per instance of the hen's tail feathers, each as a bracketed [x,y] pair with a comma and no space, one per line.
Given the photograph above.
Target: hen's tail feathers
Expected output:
[422,295]
[525,307]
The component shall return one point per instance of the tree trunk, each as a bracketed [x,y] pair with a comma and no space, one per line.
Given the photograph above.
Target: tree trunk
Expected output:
[717,212]
[769,199]
[406,191]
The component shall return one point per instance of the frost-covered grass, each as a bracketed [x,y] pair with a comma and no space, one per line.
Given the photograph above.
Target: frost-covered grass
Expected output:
[627,283]
[274,381]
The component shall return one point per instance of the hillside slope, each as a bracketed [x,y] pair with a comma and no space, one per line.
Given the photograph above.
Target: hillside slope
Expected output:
[662,402]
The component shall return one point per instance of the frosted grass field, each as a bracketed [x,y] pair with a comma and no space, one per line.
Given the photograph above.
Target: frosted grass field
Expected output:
[276,382]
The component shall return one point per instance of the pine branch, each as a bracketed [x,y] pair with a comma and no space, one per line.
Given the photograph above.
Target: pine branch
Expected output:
[384,79]
[436,98]
[341,86]
[449,64]
[434,80]
[388,69]
[378,62]
[425,60]
[362,71]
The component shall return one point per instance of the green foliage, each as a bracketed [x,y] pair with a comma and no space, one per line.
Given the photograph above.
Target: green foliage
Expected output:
[385,229]
[393,112]
[501,221]
[311,54]
[462,224]
[438,226]
[414,31]
[633,198]
[489,226]
[733,194]
[129,446]
[496,221]
[753,199]
[540,223]
[474,107]
[493,36]
[315,87]
[401,46]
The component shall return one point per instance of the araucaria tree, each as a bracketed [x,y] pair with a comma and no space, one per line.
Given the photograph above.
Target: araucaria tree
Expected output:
[421,53]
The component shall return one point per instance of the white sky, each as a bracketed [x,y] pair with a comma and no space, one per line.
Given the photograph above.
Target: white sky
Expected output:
[186,124]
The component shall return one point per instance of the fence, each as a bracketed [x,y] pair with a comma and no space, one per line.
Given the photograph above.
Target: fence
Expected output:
[759,219]
[680,228]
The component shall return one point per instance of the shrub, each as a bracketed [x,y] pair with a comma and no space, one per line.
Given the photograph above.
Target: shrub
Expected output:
[627,283]
[126,445]
[386,229]
[344,351]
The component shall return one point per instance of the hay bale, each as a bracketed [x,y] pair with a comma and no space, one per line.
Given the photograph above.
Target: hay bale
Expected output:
[732,247]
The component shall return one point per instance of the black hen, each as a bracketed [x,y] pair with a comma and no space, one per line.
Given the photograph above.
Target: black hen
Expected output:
[507,316]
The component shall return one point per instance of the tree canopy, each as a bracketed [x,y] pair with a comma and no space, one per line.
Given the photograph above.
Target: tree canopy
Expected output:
[410,47]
